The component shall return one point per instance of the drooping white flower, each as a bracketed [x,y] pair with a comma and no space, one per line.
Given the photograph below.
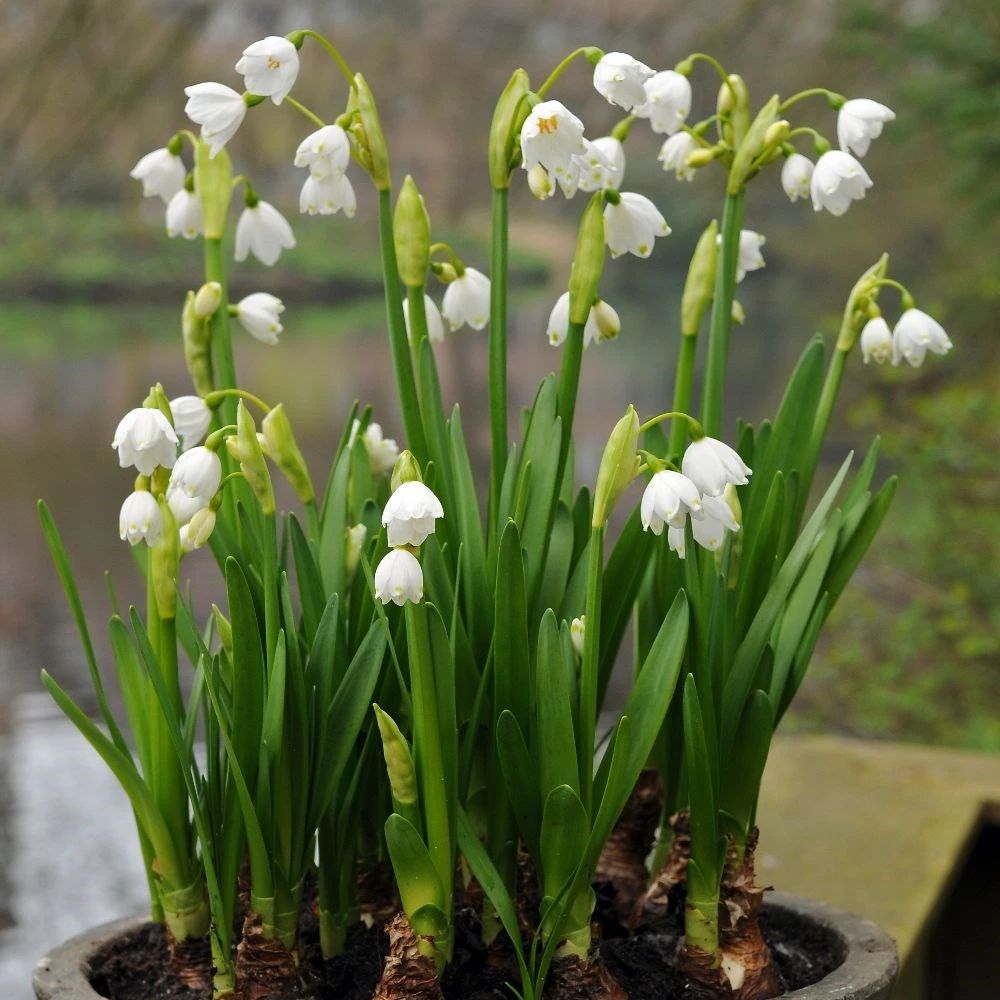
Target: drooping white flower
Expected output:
[326,151]
[837,180]
[467,300]
[614,156]
[668,499]
[184,215]
[327,195]
[410,513]
[382,451]
[551,135]
[140,519]
[269,67]
[859,121]
[540,183]
[710,531]
[558,326]
[796,175]
[632,225]
[145,439]
[263,231]
[258,314]
[191,419]
[674,153]
[435,324]
[588,171]
[676,540]
[609,323]
[399,578]
[198,530]
[620,79]
[876,341]
[218,109]
[916,333]
[668,101]
[162,174]
[712,465]
[749,258]
[577,632]
[194,480]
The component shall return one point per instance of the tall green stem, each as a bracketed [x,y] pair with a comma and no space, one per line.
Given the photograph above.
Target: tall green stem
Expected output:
[405,382]
[722,315]
[222,343]
[589,667]
[824,410]
[683,392]
[498,340]
[569,385]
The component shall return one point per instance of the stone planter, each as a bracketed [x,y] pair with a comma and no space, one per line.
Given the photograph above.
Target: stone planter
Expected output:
[866,973]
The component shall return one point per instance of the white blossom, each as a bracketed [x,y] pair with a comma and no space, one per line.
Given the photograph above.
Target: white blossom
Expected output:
[218,109]
[837,180]
[609,323]
[914,335]
[399,578]
[269,67]
[540,183]
[876,341]
[382,451]
[258,314]
[410,513]
[668,101]
[263,231]
[327,195]
[749,258]
[614,158]
[620,79]
[145,439]
[709,531]
[435,324]
[191,419]
[796,175]
[588,171]
[632,225]
[667,500]
[140,519]
[712,465]
[858,122]
[551,135]
[162,174]
[194,480]
[325,152]
[674,153]
[558,326]
[467,300]
[184,215]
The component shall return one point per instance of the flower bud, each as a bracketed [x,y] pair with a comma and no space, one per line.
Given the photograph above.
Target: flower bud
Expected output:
[859,303]
[511,110]
[198,530]
[700,284]
[734,101]
[445,272]
[213,182]
[164,559]
[412,228]
[197,340]
[777,133]
[208,300]
[224,629]
[750,147]
[700,157]
[371,136]
[739,313]
[406,470]
[618,468]
[577,630]
[398,760]
[245,448]
[609,324]
[588,261]
[357,535]
[284,451]
[540,183]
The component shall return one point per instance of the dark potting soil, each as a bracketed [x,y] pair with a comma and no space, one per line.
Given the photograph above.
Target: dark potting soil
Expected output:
[135,966]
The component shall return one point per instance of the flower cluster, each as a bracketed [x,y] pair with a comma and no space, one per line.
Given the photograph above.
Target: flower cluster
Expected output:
[914,334]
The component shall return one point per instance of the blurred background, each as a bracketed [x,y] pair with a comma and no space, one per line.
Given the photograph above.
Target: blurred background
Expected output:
[90,294]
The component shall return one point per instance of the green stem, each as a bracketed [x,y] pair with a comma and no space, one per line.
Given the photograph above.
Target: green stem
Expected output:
[302,109]
[701,924]
[312,520]
[569,385]
[683,392]
[589,668]
[405,383]
[220,394]
[498,341]
[332,51]
[560,69]
[824,410]
[803,94]
[722,315]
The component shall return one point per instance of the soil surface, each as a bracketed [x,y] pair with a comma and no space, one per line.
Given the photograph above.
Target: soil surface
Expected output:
[135,966]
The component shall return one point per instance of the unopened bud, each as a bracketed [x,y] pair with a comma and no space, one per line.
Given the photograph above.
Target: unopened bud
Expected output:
[739,313]
[197,347]
[734,102]
[700,157]
[406,470]
[588,261]
[357,535]
[208,300]
[540,183]
[371,136]
[284,451]
[198,530]
[412,232]
[777,133]
[245,448]
[223,628]
[213,181]
[509,115]
[609,325]
[619,466]
[751,145]
[700,284]
[446,273]
[577,631]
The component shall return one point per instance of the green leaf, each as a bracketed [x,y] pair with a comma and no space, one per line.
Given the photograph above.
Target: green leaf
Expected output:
[133,684]
[416,877]
[555,575]
[520,776]
[564,834]
[307,574]
[557,758]
[702,792]
[803,654]
[336,518]
[248,672]
[741,778]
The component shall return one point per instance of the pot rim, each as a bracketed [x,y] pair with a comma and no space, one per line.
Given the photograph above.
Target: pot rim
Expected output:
[869,954]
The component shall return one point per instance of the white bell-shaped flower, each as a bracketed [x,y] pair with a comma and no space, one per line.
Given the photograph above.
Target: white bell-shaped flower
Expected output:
[410,513]
[325,152]
[916,333]
[588,171]
[218,109]
[876,341]
[258,314]
[184,215]
[382,451]
[558,326]
[674,153]
[551,135]
[859,121]
[796,176]
[269,67]
[676,540]
[435,324]
[145,439]
[632,225]
[140,519]
[749,258]
[668,101]
[467,300]
[609,323]
[194,480]
[263,231]
[162,174]
[619,79]
[192,418]
[613,152]
[837,180]
[667,500]
[712,466]
[399,578]
[328,195]
[710,532]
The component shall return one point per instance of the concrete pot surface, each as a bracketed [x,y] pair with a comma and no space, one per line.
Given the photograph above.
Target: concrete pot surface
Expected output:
[867,972]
